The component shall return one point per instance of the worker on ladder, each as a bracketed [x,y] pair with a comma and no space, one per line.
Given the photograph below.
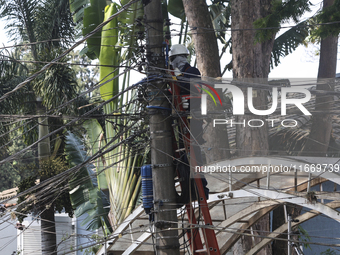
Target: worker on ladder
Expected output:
[190,93]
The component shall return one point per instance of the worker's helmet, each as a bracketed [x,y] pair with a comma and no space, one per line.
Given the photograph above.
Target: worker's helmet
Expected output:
[178,49]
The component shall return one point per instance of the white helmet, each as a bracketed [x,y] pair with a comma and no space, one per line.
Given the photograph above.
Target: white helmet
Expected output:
[178,49]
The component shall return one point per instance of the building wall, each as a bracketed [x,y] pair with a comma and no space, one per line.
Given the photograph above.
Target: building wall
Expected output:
[29,240]
[8,237]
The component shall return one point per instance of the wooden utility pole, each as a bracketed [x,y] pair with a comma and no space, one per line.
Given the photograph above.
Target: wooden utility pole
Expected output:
[165,219]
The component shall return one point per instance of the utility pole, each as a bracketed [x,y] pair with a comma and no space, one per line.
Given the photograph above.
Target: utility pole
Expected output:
[165,216]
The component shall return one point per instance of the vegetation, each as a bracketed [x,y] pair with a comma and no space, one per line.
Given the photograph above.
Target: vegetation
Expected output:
[32,203]
[116,47]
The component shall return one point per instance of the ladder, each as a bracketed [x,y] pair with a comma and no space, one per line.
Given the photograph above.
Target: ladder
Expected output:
[194,236]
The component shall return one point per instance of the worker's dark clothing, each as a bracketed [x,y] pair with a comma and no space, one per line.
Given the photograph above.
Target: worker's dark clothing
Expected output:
[190,73]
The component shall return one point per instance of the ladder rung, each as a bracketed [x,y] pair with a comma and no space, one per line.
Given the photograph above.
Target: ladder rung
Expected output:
[182,149]
[201,250]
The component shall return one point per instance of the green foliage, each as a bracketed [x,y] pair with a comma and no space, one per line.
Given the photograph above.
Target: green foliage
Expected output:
[124,185]
[86,75]
[85,195]
[11,73]
[52,167]
[109,57]
[25,208]
[12,173]
[220,16]
[57,85]
[39,21]
[88,14]
[281,11]
[304,236]
[30,203]
[20,17]
[327,15]
[96,141]
[8,176]
[29,131]
[176,8]
[289,41]
[54,21]
[129,28]
[93,16]
[93,249]
[32,21]
[329,252]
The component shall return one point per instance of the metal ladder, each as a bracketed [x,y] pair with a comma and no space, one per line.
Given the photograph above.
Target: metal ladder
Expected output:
[208,233]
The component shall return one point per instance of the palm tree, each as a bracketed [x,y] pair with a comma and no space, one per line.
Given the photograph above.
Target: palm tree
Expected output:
[32,21]
[11,73]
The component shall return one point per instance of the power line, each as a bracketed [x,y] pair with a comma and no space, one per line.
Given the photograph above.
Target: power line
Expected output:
[31,78]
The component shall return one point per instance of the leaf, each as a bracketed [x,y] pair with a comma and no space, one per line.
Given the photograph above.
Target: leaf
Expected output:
[89,13]
[176,8]
[220,16]
[93,16]
[96,135]
[78,5]
[330,15]
[109,55]
[85,195]
[56,147]
[289,41]
[280,11]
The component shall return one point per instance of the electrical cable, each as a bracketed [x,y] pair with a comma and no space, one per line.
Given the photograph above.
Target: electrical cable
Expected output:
[20,85]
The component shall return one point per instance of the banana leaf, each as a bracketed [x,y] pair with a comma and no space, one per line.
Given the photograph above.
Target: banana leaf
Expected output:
[96,137]
[86,197]
[88,14]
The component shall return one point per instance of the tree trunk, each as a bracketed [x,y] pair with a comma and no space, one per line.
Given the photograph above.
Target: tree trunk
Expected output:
[251,63]
[208,63]
[48,234]
[204,37]
[318,142]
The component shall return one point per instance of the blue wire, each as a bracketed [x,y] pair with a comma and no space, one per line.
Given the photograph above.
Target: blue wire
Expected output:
[158,107]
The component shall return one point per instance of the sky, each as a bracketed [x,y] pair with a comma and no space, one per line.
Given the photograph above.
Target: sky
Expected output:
[302,63]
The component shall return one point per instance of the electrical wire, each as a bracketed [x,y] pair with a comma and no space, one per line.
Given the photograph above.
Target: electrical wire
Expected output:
[31,78]
[200,226]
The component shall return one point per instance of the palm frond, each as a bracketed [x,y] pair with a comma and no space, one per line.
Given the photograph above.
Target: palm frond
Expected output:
[289,41]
